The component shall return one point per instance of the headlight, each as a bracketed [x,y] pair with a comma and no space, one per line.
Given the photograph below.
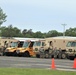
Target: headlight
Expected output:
[36,49]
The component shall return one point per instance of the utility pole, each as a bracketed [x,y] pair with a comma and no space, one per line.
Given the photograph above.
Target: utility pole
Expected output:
[64,29]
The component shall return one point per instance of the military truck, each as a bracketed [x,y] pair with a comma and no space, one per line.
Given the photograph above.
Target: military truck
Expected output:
[55,46]
[71,49]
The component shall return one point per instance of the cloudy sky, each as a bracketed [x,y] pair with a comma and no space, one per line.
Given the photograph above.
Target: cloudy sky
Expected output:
[40,15]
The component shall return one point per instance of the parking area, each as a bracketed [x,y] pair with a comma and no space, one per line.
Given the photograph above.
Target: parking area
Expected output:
[23,62]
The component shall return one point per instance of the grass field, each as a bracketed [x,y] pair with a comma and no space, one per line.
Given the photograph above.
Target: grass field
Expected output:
[19,71]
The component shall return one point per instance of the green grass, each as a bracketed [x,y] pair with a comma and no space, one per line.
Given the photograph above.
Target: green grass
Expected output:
[19,71]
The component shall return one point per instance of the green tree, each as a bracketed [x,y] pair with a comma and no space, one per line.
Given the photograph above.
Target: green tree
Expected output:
[10,31]
[27,33]
[38,34]
[70,32]
[24,32]
[2,16]
[52,33]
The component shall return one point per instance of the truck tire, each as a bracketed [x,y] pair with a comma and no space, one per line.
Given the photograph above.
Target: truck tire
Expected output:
[59,56]
[55,56]
[63,56]
[46,54]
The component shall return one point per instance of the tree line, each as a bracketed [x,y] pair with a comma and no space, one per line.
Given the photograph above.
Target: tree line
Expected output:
[11,31]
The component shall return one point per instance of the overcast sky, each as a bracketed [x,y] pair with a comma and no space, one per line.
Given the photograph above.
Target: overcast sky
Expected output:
[40,15]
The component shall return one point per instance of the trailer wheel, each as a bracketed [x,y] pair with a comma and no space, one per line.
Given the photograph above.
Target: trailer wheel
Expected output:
[26,54]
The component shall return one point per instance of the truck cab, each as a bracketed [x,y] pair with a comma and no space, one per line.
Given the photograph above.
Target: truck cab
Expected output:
[71,49]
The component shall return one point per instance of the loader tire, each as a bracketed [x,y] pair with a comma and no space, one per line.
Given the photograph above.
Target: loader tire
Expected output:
[26,54]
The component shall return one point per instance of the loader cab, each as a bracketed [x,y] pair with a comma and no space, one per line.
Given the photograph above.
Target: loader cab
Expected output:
[28,44]
[14,44]
[17,44]
[25,45]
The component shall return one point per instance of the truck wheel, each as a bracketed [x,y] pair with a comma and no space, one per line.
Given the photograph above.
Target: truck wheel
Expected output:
[59,56]
[26,54]
[63,56]
[67,56]
[46,55]
[55,56]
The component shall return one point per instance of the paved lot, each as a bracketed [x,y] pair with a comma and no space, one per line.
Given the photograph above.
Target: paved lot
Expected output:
[23,62]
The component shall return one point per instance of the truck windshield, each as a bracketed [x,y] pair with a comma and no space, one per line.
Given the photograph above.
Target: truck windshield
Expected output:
[14,44]
[71,44]
[37,43]
[26,44]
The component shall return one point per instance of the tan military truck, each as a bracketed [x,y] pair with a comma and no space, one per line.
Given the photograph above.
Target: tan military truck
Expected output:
[56,46]
[71,49]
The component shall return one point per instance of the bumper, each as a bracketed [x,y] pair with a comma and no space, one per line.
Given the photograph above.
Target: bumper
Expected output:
[10,53]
